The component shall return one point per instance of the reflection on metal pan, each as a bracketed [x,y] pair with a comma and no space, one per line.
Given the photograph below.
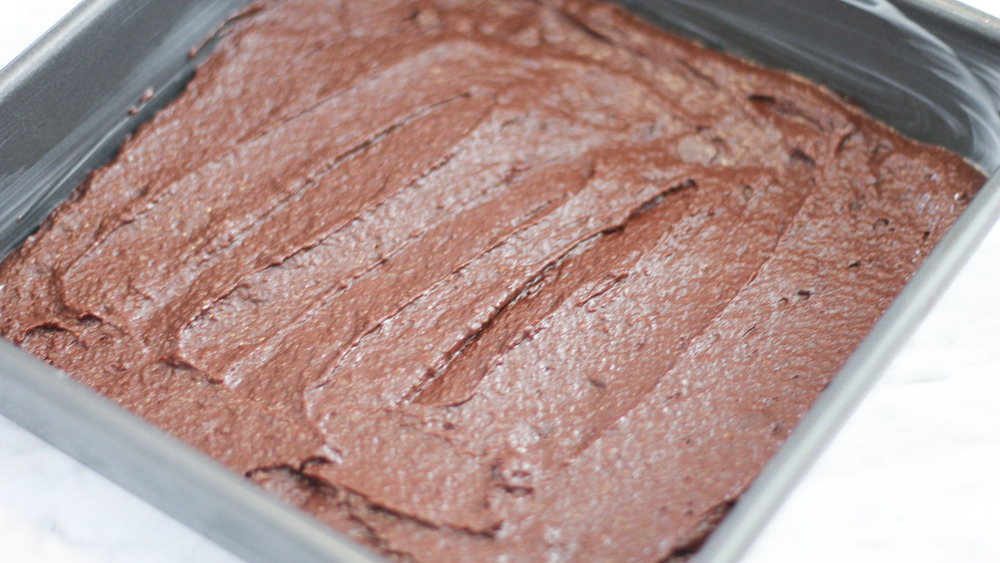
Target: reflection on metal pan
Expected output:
[868,50]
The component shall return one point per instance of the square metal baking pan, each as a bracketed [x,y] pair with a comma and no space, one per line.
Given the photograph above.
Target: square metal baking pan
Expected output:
[930,68]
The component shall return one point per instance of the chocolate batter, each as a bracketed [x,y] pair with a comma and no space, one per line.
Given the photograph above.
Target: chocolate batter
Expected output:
[483,282]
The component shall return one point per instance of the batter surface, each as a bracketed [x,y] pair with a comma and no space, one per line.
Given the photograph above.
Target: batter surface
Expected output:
[468,282]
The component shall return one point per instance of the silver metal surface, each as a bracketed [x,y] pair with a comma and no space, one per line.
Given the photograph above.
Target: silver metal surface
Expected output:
[930,68]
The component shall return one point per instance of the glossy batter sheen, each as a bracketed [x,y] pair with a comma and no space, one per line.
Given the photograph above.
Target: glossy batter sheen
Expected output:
[473,282]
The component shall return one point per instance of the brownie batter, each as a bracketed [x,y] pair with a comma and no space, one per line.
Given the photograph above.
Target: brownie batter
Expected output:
[518,281]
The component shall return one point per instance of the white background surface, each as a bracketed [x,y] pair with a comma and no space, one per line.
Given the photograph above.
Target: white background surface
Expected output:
[912,477]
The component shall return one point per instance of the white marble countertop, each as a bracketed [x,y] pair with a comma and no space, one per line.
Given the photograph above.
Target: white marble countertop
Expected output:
[911,477]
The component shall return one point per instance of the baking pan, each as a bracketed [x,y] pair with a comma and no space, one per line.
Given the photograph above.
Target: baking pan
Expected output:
[929,68]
